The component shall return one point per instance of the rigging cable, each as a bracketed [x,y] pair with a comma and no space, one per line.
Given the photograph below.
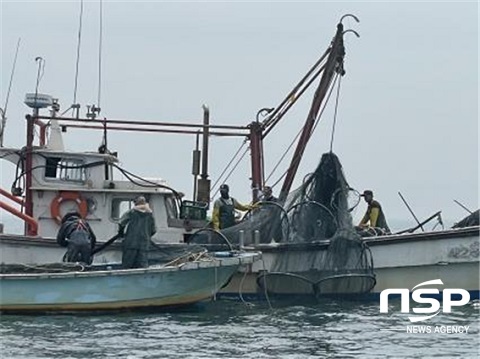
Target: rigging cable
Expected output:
[233,169]
[292,143]
[77,64]
[335,114]
[228,165]
[283,157]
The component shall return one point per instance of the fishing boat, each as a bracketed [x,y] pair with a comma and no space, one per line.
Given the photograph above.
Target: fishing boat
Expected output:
[67,287]
[309,242]
[319,252]
[307,237]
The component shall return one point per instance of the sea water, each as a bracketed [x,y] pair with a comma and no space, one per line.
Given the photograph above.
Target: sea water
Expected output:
[236,329]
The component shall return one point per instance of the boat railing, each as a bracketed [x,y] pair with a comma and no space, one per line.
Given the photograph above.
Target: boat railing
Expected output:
[436,215]
[33,224]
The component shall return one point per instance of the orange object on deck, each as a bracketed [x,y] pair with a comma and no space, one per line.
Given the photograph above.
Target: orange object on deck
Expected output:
[68,196]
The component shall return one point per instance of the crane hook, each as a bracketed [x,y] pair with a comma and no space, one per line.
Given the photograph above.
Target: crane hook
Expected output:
[349,15]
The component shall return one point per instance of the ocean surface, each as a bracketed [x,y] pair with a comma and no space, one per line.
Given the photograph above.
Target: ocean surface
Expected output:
[236,329]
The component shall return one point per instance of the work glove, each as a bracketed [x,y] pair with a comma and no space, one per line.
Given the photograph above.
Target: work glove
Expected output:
[121,232]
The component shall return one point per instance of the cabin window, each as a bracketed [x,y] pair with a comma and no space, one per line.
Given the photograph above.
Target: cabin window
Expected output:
[171,207]
[120,206]
[65,169]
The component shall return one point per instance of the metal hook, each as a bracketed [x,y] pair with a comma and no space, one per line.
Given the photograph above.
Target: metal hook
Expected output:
[349,15]
[350,30]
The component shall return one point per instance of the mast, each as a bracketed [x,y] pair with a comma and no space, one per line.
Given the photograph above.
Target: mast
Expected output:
[28,170]
[256,153]
[333,65]
[203,188]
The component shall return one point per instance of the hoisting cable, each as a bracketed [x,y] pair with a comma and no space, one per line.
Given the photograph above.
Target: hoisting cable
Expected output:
[335,114]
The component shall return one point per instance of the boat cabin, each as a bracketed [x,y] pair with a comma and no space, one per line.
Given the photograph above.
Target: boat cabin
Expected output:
[52,182]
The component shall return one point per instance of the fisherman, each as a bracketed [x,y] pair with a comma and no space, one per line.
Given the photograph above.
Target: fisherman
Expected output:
[268,195]
[140,227]
[77,235]
[374,215]
[273,229]
[223,215]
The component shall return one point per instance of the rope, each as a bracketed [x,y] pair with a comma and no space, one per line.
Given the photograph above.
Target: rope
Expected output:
[240,290]
[265,286]
[335,114]
[188,257]
[215,285]
[46,268]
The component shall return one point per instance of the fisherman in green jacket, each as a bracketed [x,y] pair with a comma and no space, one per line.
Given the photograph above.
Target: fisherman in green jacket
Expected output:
[140,227]
[223,215]
[374,215]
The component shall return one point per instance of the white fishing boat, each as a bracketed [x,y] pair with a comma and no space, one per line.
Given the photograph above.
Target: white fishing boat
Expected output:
[69,287]
[398,261]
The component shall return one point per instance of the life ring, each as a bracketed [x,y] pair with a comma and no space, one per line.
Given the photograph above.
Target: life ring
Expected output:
[67,196]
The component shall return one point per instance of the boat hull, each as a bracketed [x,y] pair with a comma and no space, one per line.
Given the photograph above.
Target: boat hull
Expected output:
[400,261]
[154,286]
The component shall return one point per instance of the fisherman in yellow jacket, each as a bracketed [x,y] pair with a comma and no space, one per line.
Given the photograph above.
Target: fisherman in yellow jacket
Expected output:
[374,216]
[223,215]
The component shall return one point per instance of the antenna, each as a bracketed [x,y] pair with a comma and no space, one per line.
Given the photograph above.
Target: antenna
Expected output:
[412,213]
[464,207]
[77,64]
[41,67]
[100,57]
[4,110]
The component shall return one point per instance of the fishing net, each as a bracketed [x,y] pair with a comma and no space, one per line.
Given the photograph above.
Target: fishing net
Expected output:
[320,251]
[473,219]
[319,212]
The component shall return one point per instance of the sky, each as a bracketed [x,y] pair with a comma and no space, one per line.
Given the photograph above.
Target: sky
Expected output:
[407,117]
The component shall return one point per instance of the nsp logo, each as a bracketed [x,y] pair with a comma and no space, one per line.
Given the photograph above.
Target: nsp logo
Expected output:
[434,308]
